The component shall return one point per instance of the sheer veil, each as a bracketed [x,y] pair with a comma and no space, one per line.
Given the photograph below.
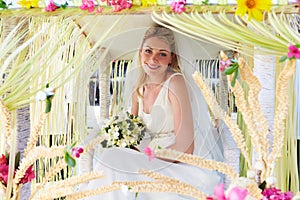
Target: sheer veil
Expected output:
[207,139]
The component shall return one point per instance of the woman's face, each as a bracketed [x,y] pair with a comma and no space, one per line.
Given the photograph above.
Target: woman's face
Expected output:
[155,56]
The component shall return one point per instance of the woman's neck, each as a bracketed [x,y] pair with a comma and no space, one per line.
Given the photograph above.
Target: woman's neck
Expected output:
[157,80]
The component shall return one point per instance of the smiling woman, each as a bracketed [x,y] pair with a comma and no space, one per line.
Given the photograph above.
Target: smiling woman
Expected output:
[162,98]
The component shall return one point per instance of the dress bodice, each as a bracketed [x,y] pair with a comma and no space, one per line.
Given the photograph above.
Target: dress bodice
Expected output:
[160,121]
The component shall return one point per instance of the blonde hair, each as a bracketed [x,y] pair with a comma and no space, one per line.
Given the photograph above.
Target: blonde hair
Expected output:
[167,36]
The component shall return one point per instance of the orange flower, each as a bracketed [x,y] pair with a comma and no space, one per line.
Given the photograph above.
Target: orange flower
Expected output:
[254,8]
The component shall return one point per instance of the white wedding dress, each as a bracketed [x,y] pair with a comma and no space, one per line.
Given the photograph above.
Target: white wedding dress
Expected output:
[119,164]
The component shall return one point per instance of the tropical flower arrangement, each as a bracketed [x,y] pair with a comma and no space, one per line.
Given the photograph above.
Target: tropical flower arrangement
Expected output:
[254,9]
[262,170]
[123,130]
[238,191]
[16,171]
[4,168]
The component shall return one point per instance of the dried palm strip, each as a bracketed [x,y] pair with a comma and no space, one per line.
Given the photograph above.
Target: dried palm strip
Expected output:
[53,170]
[100,190]
[219,113]
[33,155]
[198,162]
[165,184]
[280,114]
[59,192]
[66,187]
[249,112]
[75,180]
[34,133]
[258,115]
[6,119]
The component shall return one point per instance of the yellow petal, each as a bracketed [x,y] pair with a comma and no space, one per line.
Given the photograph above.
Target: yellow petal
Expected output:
[264,5]
[241,10]
[256,14]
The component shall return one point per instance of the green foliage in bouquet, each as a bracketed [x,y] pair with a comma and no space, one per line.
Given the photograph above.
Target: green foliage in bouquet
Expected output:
[124,130]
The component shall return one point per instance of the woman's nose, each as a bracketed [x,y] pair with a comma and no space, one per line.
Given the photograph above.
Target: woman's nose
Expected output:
[153,58]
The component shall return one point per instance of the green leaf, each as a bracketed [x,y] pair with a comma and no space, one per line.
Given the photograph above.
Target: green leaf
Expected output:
[283,58]
[231,69]
[263,185]
[234,77]
[70,160]
[104,143]
[48,105]
[3,5]
[17,160]
[73,144]
[136,195]
[298,46]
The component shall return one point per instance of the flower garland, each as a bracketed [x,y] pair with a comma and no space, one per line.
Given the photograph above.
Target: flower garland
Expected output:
[254,9]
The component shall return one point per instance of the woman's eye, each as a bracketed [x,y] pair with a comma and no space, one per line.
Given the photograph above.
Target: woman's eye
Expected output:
[163,54]
[148,51]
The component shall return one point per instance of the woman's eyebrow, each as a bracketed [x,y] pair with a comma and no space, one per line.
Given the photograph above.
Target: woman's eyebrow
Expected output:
[158,49]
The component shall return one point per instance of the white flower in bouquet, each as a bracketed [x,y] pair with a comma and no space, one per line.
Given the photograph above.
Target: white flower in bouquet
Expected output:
[2,193]
[123,130]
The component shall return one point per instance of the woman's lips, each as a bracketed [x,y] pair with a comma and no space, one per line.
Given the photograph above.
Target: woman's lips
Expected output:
[153,67]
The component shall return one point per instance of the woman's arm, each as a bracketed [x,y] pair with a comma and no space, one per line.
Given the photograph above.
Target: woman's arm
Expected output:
[183,117]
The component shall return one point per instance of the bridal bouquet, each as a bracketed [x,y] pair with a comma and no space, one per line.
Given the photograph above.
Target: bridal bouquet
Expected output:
[124,130]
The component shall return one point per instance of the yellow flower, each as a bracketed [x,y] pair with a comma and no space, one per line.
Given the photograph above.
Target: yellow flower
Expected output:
[29,3]
[254,8]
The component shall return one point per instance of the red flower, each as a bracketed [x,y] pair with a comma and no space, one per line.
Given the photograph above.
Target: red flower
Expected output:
[3,173]
[3,159]
[29,175]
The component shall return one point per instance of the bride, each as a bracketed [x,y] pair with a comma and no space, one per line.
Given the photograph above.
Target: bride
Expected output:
[160,89]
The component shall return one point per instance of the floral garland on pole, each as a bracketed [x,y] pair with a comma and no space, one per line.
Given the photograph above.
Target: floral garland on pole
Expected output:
[254,9]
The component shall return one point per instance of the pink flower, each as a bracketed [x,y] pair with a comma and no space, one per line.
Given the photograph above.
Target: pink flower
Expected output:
[276,194]
[3,173]
[237,193]
[88,5]
[294,52]
[219,192]
[224,64]
[76,151]
[29,176]
[51,6]
[178,6]
[119,5]
[148,151]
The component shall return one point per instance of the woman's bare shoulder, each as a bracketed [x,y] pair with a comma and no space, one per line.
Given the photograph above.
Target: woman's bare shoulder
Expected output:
[177,83]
